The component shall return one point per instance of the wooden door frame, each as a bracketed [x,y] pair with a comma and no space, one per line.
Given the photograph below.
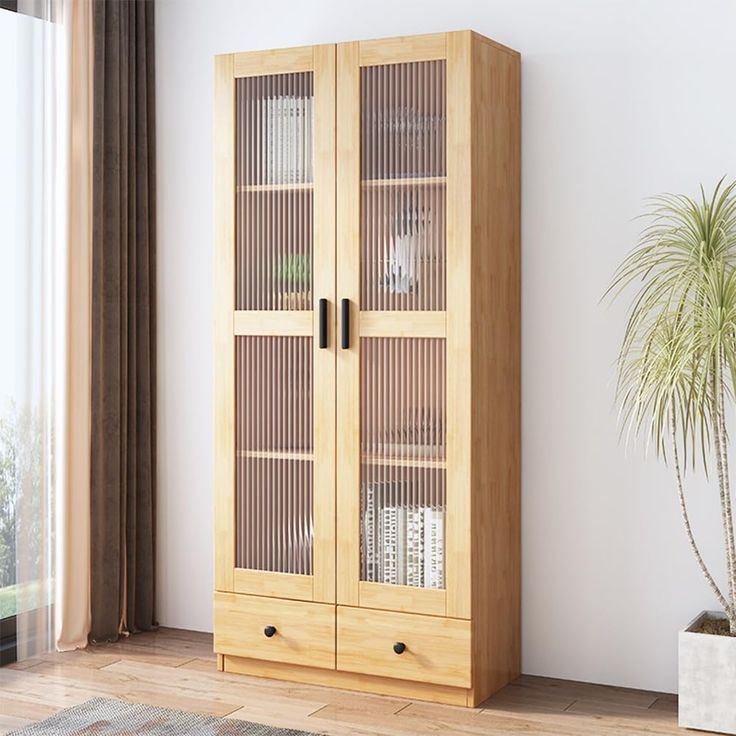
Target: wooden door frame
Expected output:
[453,325]
[228,323]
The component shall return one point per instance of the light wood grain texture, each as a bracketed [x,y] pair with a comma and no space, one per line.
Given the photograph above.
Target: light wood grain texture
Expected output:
[123,680]
[273,61]
[324,359]
[276,454]
[263,322]
[275,584]
[402,462]
[479,38]
[348,680]
[11,723]
[230,690]
[21,708]
[321,586]
[496,368]
[402,324]
[224,270]
[480,606]
[418,181]
[437,649]
[400,49]
[459,288]
[305,632]
[42,689]
[534,706]
[348,287]
[403,598]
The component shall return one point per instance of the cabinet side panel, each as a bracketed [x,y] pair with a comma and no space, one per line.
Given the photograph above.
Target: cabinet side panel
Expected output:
[459,502]
[496,326]
[224,269]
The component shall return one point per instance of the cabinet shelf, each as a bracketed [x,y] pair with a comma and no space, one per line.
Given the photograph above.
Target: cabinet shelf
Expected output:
[404,462]
[276,455]
[301,187]
[404,182]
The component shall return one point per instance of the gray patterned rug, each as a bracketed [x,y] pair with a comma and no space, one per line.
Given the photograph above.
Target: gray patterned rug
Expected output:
[104,717]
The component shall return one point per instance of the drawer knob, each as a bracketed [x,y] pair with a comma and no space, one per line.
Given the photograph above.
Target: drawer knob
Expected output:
[399,647]
[269,631]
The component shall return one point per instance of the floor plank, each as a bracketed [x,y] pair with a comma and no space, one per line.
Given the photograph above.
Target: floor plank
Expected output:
[18,707]
[10,723]
[177,669]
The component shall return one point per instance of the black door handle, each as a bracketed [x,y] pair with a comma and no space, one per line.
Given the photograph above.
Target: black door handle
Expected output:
[345,319]
[323,323]
[399,647]
[269,631]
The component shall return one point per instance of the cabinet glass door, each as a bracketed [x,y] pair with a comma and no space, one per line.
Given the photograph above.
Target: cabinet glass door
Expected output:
[283,403]
[273,374]
[398,359]
[402,489]
[403,175]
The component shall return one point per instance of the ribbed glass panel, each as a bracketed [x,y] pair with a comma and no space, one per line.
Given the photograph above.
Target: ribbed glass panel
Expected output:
[274,443]
[403,172]
[402,383]
[274,160]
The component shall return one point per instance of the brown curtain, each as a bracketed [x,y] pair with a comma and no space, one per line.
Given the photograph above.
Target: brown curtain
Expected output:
[123,321]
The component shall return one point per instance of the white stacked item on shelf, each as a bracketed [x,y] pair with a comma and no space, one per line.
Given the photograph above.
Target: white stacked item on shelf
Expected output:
[286,141]
[434,548]
[415,547]
[369,536]
[402,544]
[393,549]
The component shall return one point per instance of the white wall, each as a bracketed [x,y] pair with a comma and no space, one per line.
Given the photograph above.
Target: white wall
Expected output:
[621,100]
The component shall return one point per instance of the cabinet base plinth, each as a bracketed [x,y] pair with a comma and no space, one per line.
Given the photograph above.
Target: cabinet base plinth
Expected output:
[348,680]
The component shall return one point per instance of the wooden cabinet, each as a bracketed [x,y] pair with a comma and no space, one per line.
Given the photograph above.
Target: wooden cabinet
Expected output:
[367,365]
[275,629]
[404,645]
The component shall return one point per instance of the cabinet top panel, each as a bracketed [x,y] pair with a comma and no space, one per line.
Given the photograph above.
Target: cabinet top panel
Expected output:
[395,49]
[274,61]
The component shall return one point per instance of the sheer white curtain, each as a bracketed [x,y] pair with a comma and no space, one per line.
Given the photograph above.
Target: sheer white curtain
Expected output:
[35,145]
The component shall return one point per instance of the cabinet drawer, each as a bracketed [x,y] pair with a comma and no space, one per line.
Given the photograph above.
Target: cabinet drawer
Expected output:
[304,632]
[436,649]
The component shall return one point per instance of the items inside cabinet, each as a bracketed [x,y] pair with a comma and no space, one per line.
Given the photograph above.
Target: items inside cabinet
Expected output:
[404,121]
[403,182]
[274,192]
[403,417]
[367,378]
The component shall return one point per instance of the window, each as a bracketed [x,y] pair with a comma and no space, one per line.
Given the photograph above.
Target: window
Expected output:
[30,268]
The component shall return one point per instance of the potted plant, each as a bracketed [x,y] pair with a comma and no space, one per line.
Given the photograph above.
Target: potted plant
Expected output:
[292,274]
[677,387]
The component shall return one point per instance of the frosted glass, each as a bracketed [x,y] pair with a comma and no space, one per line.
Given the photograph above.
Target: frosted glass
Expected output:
[274,443]
[403,420]
[274,198]
[273,262]
[403,174]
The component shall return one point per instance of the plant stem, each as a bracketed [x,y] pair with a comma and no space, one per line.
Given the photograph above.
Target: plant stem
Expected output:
[725,489]
[688,528]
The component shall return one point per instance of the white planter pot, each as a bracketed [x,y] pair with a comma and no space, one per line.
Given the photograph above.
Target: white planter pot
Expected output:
[707,679]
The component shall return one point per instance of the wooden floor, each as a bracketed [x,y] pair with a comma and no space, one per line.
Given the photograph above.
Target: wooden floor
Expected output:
[176,669]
